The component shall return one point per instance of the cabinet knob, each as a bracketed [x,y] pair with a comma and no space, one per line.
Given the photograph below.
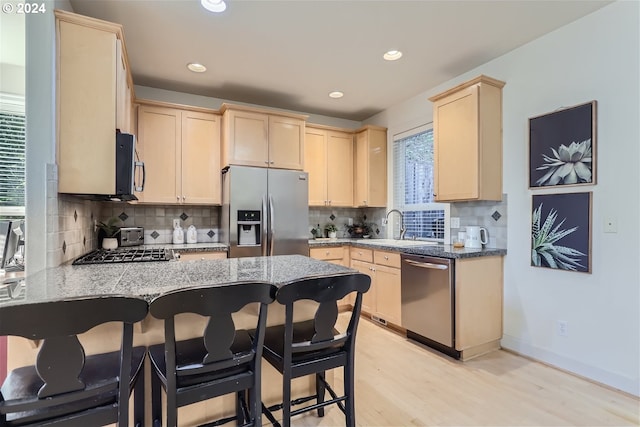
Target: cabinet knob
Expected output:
[364,202]
[329,202]
[266,162]
[178,198]
[184,198]
[271,162]
[386,257]
[327,253]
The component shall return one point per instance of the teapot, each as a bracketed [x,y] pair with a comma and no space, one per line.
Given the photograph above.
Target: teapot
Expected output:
[476,237]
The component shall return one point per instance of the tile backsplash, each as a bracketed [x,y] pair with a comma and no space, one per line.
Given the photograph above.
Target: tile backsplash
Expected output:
[340,217]
[71,230]
[157,220]
[488,214]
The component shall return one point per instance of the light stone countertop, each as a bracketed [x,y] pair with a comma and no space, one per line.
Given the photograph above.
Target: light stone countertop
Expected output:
[150,279]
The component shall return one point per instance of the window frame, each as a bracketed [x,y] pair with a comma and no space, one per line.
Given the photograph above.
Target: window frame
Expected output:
[13,104]
[396,187]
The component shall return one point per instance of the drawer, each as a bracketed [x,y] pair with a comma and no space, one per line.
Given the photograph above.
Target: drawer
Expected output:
[365,255]
[390,259]
[190,256]
[327,253]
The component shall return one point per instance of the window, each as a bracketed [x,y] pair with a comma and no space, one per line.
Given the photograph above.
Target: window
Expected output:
[12,156]
[413,186]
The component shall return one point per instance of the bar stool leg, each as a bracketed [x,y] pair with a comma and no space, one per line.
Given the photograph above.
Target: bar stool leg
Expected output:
[156,401]
[138,399]
[349,391]
[320,389]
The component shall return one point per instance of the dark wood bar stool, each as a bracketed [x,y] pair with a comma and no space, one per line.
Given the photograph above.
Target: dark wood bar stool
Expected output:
[222,361]
[65,387]
[315,346]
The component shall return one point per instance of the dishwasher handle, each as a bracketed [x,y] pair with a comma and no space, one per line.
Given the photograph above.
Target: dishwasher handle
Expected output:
[429,265]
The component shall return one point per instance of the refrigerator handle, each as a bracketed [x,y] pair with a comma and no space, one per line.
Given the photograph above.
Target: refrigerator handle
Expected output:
[272,236]
[263,240]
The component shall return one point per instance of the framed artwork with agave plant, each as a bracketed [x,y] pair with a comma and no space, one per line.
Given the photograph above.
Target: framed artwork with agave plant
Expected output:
[561,231]
[562,147]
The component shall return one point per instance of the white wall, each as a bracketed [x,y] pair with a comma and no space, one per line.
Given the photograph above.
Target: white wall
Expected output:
[596,57]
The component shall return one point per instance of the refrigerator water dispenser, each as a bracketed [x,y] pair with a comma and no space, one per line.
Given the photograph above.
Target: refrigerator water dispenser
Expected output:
[249,225]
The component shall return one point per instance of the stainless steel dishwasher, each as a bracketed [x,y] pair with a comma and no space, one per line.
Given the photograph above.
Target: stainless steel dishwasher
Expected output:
[428,301]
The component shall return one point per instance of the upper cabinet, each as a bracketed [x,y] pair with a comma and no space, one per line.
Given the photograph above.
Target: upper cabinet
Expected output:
[467,124]
[94,98]
[261,138]
[371,167]
[181,151]
[328,159]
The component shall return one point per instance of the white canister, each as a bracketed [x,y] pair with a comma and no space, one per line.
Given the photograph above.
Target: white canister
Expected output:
[476,237]
[178,236]
[192,234]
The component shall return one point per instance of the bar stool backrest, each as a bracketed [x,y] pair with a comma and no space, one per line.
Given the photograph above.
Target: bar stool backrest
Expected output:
[61,357]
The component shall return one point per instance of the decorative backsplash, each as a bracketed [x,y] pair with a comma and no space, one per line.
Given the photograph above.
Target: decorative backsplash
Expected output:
[340,218]
[488,214]
[73,234]
[157,220]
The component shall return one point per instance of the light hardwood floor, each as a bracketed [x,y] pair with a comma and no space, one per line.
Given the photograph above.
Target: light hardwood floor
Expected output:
[402,383]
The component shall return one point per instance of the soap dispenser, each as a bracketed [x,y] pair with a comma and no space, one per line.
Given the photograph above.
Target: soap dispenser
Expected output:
[178,235]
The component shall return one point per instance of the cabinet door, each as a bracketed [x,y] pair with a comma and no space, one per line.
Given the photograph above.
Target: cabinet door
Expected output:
[361,172]
[315,164]
[456,146]
[159,133]
[190,256]
[286,135]
[246,141]
[369,298]
[339,168]
[201,177]
[371,168]
[86,109]
[123,92]
[388,298]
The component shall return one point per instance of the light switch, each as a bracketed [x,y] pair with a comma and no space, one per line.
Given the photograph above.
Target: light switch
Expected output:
[455,222]
[610,225]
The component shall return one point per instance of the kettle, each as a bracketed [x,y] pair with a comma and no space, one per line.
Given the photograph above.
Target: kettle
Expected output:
[178,235]
[192,234]
[476,237]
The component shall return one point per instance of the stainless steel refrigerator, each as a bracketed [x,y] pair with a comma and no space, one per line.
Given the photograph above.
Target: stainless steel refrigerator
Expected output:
[265,211]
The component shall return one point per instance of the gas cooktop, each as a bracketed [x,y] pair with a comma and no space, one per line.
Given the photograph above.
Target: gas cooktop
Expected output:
[103,256]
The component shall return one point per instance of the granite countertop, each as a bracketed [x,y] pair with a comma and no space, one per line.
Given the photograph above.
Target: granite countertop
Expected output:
[439,250]
[188,247]
[150,279]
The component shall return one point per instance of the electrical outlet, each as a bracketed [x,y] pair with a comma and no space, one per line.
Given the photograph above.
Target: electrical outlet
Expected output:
[455,222]
[349,221]
[176,222]
[563,328]
[383,221]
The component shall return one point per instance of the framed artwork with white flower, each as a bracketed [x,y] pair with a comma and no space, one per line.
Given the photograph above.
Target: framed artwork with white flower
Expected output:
[562,147]
[561,231]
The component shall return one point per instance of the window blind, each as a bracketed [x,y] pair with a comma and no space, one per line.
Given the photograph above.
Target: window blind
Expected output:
[413,186]
[12,156]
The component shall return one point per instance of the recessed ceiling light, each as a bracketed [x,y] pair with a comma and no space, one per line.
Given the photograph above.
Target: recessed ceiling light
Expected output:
[196,68]
[392,55]
[216,6]
[336,94]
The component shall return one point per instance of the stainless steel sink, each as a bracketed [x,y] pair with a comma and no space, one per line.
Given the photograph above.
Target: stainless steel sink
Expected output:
[397,242]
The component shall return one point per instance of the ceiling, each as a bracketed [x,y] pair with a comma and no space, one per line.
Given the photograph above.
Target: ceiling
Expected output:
[291,54]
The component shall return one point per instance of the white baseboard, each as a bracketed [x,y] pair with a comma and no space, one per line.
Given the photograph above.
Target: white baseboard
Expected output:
[623,383]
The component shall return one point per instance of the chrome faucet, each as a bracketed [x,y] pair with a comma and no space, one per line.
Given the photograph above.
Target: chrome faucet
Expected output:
[402,229]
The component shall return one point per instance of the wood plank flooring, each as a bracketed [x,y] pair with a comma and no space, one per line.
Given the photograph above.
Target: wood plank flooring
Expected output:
[402,383]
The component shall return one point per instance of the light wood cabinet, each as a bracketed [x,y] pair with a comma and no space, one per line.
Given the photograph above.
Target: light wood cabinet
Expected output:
[371,167]
[260,138]
[328,159]
[181,151]
[190,256]
[478,305]
[94,98]
[336,255]
[467,125]
[384,298]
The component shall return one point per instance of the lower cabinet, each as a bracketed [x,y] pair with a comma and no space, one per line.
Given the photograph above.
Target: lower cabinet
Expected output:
[336,255]
[190,256]
[383,299]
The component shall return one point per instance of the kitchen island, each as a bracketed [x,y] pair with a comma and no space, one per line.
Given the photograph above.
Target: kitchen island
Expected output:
[150,279]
